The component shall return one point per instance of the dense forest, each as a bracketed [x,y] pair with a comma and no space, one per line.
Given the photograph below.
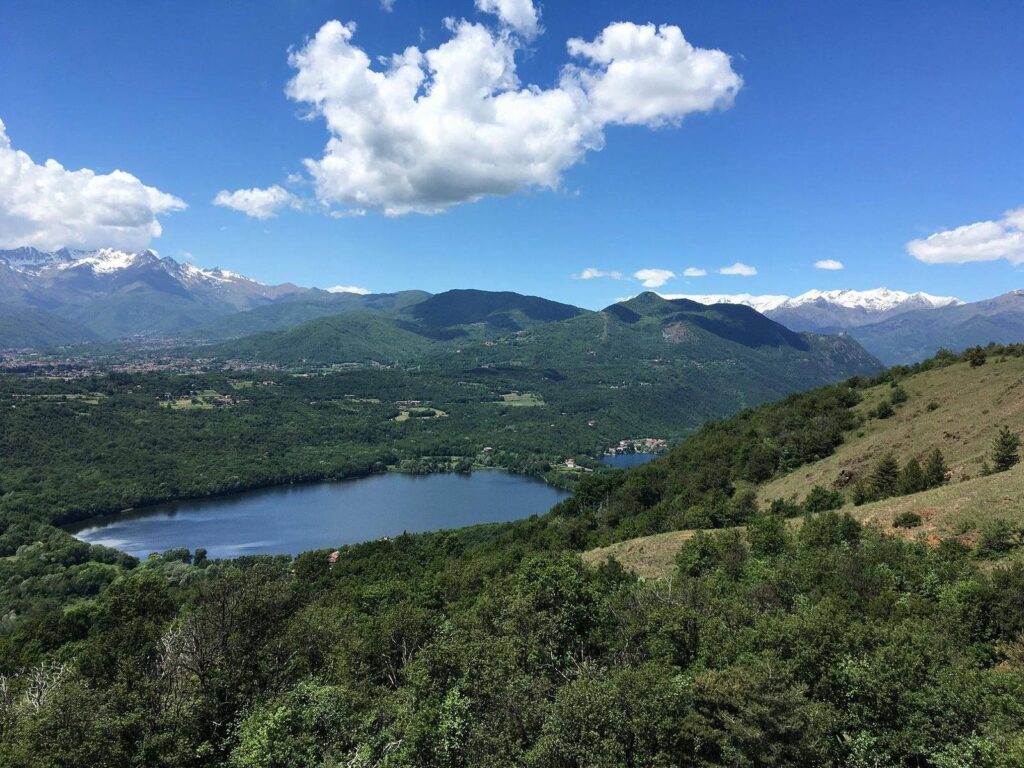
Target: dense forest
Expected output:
[823,644]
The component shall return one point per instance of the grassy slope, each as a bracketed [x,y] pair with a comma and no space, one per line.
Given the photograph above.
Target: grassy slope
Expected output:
[973,404]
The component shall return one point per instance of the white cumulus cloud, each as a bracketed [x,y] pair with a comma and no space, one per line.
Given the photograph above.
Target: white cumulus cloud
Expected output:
[47,206]
[641,74]
[740,269]
[654,278]
[981,241]
[256,202]
[830,264]
[424,130]
[592,273]
[520,15]
[348,289]
[694,272]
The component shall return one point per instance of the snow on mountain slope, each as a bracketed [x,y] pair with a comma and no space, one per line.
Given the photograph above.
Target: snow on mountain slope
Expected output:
[832,311]
[877,300]
[117,292]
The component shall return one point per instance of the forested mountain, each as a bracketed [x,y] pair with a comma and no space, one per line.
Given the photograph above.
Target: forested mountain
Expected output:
[820,644]
[284,315]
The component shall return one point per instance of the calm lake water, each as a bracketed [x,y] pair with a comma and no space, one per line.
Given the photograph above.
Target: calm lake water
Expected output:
[297,518]
[623,460]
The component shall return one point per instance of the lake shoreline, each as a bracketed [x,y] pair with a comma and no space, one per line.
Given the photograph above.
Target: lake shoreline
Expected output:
[290,519]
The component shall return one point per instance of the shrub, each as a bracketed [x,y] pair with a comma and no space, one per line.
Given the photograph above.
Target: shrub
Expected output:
[822,500]
[906,520]
[861,492]
[912,478]
[996,538]
[975,356]
[899,395]
[884,410]
[933,406]
[767,535]
[935,469]
[1005,450]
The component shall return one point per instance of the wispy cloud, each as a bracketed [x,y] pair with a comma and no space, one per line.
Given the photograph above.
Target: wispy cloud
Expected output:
[694,272]
[981,241]
[592,273]
[830,264]
[740,269]
[348,289]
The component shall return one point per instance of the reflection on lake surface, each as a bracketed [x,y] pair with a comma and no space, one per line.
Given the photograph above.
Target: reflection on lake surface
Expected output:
[623,460]
[297,518]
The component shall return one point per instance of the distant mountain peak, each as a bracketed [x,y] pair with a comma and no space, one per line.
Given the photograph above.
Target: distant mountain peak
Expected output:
[873,300]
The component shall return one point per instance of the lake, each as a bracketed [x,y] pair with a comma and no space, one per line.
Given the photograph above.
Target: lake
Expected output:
[297,518]
[623,460]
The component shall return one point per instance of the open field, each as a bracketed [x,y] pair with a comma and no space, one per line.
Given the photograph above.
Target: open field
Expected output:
[522,400]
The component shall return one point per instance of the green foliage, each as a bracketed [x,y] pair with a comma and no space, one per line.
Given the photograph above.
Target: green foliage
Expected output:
[997,537]
[975,356]
[1005,450]
[884,410]
[935,470]
[906,520]
[912,478]
[821,499]
[885,477]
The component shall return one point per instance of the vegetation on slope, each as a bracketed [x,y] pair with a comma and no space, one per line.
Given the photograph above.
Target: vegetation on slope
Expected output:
[826,645]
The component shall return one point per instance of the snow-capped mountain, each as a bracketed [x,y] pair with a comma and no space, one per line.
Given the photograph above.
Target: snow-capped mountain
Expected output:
[831,311]
[115,293]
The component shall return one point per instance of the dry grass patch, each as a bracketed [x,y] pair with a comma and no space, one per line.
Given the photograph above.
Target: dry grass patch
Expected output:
[957,409]
[649,557]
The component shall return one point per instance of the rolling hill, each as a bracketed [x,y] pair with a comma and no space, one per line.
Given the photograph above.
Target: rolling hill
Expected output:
[956,408]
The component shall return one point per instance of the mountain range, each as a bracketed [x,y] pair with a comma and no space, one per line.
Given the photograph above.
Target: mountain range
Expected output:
[834,311]
[63,297]
[67,295]
[895,326]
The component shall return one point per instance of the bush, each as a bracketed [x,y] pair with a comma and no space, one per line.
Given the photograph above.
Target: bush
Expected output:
[906,520]
[997,538]
[884,410]
[767,535]
[899,395]
[822,500]
[975,356]
[935,469]
[912,478]
[933,406]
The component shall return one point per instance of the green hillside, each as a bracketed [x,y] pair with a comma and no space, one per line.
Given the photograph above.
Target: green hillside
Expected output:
[37,329]
[953,406]
[283,315]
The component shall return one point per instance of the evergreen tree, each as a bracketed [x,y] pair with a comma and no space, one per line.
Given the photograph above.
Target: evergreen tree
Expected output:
[912,478]
[1005,450]
[935,469]
[885,479]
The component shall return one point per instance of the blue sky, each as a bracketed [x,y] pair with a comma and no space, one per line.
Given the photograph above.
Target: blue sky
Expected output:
[858,128]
